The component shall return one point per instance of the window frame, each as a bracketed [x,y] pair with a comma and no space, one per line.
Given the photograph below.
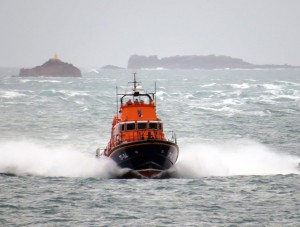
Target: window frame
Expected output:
[130,123]
[142,122]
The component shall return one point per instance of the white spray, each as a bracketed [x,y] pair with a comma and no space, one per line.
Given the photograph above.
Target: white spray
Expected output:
[195,160]
[242,157]
[27,158]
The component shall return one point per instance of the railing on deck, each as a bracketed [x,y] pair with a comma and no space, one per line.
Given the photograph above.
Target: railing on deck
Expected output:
[171,136]
[141,135]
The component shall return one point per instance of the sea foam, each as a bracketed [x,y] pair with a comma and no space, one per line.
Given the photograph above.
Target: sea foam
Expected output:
[11,94]
[243,157]
[30,158]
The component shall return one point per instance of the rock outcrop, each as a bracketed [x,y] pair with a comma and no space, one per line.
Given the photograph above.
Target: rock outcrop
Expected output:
[53,67]
[111,67]
[195,62]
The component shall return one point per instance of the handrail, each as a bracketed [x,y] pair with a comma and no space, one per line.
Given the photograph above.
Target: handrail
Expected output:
[140,135]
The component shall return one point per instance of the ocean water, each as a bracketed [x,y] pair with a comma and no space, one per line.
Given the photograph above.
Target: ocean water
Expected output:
[238,133]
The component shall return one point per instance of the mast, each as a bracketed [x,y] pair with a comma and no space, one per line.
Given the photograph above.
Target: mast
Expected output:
[117,101]
[155,93]
[134,81]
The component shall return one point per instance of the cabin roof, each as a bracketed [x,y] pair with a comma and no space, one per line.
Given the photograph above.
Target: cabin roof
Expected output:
[140,112]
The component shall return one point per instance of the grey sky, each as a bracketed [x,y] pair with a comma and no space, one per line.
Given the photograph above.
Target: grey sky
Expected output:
[93,33]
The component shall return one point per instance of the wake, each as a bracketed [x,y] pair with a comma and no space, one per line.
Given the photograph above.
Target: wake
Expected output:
[195,161]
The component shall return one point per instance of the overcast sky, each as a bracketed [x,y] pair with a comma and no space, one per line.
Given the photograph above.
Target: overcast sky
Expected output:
[93,33]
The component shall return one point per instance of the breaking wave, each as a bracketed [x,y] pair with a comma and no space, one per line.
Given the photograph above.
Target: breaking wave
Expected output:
[11,94]
[242,157]
[28,158]
[39,81]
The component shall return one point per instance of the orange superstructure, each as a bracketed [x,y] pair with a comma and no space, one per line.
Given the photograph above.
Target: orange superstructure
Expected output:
[136,121]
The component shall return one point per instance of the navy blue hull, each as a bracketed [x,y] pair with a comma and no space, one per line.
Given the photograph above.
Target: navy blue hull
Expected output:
[148,155]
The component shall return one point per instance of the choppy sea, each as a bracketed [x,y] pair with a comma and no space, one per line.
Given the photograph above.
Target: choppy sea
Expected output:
[238,133]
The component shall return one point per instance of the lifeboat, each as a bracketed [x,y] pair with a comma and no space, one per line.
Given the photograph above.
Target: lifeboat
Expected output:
[138,141]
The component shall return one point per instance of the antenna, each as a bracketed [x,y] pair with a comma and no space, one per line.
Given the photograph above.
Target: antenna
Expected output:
[155,93]
[134,81]
[117,101]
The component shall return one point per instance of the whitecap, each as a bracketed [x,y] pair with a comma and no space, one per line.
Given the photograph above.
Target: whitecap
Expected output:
[240,86]
[218,91]
[93,71]
[161,79]
[160,93]
[157,68]
[24,80]
[11,94]
[48,81]
[226,110]
[68,93]
[189,96]
[77,93]
[265,99]
[39,81]
[208,85]
[79,102]
[108,80]
[231,102]
[233,111]
[287,82]
[291,97]
[271,86]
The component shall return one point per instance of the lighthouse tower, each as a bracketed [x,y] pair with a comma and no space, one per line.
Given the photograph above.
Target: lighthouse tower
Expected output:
[56,57]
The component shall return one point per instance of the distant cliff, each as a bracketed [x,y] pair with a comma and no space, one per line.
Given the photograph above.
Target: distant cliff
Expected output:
[53,67]
[195,62]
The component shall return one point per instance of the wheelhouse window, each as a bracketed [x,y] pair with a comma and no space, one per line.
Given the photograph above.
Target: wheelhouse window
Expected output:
[142,125]
[122,127]
[160,126]
[130,126]
[152,125]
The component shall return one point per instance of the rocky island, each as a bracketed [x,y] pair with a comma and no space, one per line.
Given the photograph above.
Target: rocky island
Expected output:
[196,62]
[111,67]
[53,67]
